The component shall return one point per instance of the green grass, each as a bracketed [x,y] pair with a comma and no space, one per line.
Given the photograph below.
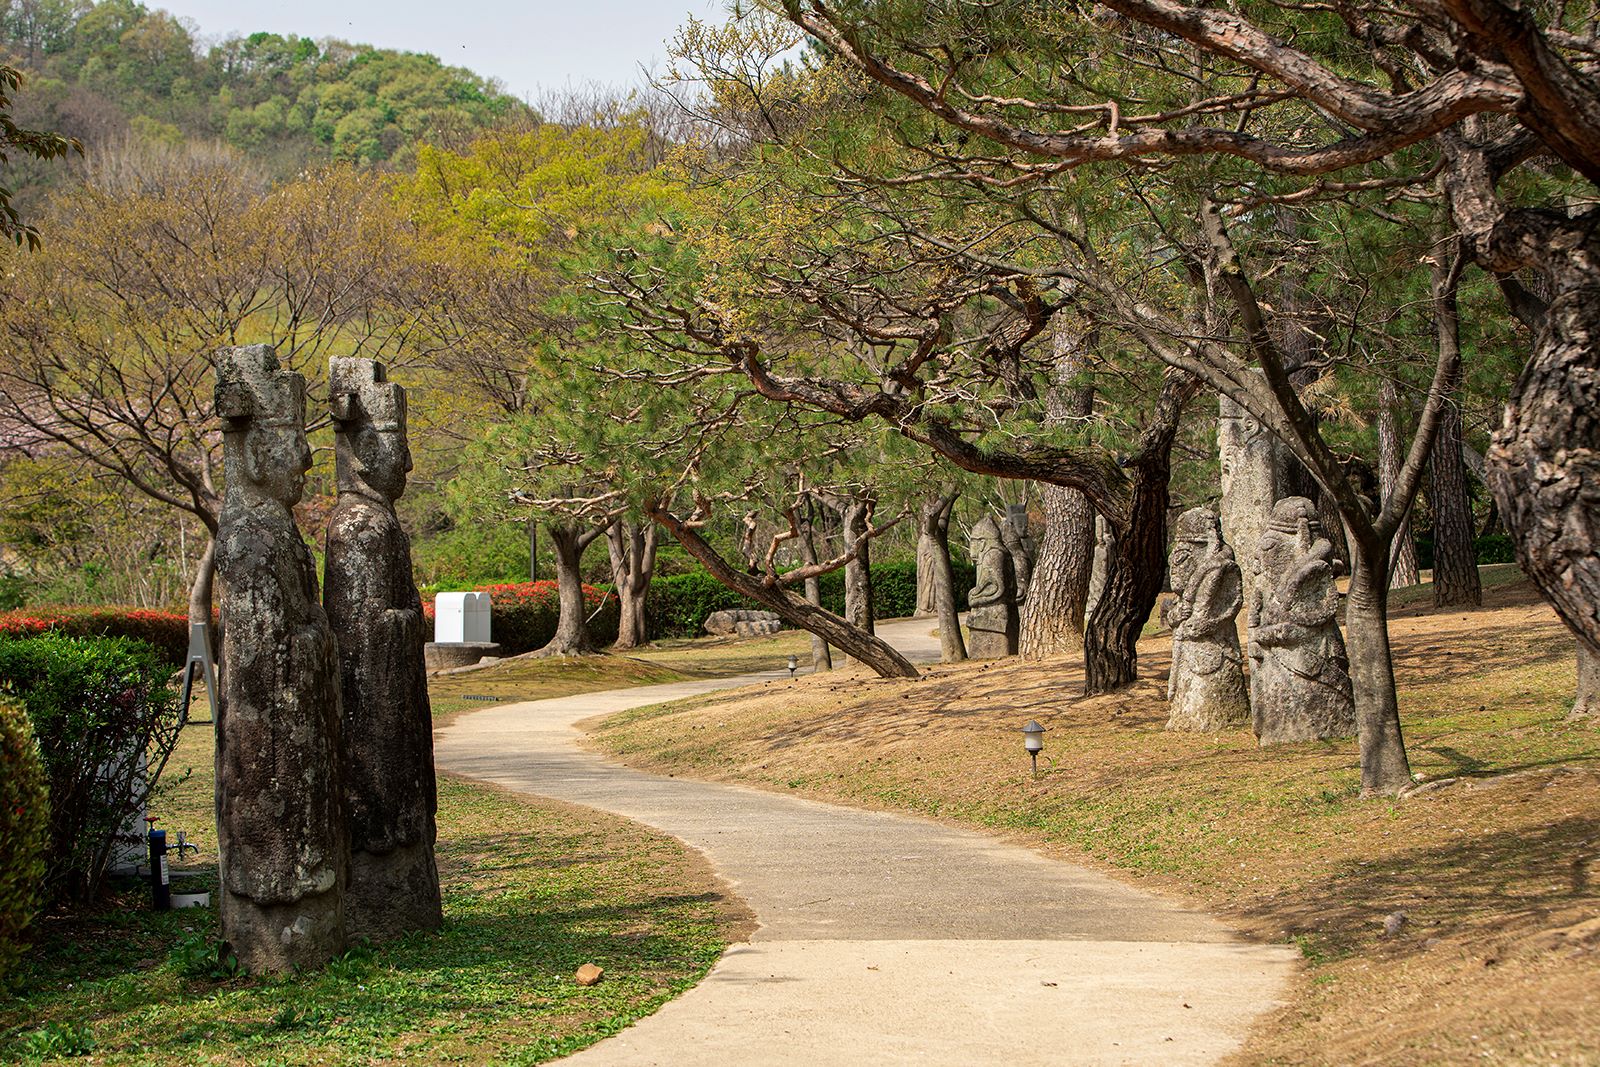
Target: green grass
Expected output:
[532,890]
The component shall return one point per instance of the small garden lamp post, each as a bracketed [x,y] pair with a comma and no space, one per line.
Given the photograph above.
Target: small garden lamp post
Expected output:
[1033,741]
[794,665]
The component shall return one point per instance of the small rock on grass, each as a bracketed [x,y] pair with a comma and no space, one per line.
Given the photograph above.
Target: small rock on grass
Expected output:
[1395,923]
[588,974]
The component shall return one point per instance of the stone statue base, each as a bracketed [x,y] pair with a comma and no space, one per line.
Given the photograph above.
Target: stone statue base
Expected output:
[280,938]
[1209,691]
[444,656]
[399,893]
[992,632]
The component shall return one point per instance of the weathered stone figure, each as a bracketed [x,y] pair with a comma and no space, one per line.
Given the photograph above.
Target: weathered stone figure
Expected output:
[280,823]
[373,606]
[1206,687]
[1256,473]
[1300,674]
[992,606]
[1014,534]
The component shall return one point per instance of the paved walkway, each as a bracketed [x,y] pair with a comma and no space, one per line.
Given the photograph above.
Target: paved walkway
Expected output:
[889,939]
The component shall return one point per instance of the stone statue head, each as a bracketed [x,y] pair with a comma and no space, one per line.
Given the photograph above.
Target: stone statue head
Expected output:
[1293,531]
[369,417]
[1196,535]
[985,533]
[263,413]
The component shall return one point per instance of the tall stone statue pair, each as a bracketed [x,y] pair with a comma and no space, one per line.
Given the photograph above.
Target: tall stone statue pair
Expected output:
[325,785]
[1299,687]
[1002,556]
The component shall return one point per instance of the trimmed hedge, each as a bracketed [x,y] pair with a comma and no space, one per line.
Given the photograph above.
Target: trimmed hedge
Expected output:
[524,614]
[166,631]
[106,720]
[24,827]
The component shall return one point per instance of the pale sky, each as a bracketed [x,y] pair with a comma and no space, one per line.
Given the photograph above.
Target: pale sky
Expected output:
[532,46]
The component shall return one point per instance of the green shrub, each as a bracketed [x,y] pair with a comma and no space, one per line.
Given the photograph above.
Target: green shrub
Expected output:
[24,827]
[524,614]
[106,719]
[677,605]
[166,631]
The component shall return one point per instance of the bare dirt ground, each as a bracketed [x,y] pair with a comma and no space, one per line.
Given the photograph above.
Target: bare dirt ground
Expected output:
[1497,956]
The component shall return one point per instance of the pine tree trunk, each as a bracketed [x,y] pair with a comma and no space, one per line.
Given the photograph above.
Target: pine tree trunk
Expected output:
[821,655]
[1384,767]
[632,548]
[858,606]
[1455,555]
[1587,703]
[1405,571]
[1136,562]
[533,549]
[572,637]
[1053,614]
[1455,562]
[934,531]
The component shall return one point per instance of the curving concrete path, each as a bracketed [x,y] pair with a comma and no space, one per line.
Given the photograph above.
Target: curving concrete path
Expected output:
[885,938]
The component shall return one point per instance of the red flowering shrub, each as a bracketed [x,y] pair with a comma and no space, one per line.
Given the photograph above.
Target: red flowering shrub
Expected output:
[524,614]
[166,631]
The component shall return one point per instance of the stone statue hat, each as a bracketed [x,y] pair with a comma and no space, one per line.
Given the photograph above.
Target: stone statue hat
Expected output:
[360,388]
[1288,512]
[253,390]
[1198,525]
[986,529]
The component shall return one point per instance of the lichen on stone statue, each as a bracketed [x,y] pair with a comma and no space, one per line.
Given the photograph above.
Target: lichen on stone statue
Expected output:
[281,833]
[1206,686]
[1014,535]
[374,608]
[992,622]
[1300,673]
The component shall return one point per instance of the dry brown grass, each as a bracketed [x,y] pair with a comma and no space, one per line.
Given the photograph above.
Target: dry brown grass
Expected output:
[1499,960]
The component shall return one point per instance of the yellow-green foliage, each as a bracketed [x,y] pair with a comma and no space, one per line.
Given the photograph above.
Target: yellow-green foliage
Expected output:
[24,822]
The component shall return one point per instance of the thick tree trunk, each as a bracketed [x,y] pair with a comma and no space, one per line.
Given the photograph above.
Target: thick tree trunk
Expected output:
[632,548]
[1455,558]
[1587,703]
[1404,571]
[934,531]
[1137,556]
[1053,615]
[856,643]
[1384,767]
[821,655]
[572,637]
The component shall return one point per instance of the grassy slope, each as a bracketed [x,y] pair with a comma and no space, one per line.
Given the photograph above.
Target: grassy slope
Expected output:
[1490,873]
[532,889]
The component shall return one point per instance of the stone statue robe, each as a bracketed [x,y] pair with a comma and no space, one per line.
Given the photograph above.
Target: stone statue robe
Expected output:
[1300,674]
[283,848]
[1206,686]
[387,724]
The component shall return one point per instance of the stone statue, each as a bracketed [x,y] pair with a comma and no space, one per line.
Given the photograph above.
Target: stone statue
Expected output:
[373,606]
[1014,534]
[1300,674]
[1256,473]
[992,606]
[1206,686]
[280,822]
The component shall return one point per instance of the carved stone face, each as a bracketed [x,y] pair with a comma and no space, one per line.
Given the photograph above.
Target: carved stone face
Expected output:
[276,461]
[382,459]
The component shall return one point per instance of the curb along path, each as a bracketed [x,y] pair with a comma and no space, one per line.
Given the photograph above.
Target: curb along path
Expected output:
[886,938]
